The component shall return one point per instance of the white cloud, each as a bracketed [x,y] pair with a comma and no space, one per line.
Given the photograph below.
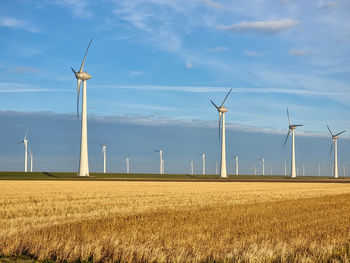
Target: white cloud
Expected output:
[189,64]
[218,49]
[298,52]
[14,23]
[10,87]
[212,3]
[252,53]
[79,8]
[265,27]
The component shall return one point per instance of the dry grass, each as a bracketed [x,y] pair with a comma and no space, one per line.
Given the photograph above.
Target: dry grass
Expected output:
[175,222]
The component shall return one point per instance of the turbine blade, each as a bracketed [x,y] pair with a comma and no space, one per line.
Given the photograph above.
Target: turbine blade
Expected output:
[79,84]
[73,70]
[339,133]
[330,151]
[25,135]
[20,142]
[288,117]
[82,64]
[214,104]
[330,131]
[222,104]
[285,141]
[298,125]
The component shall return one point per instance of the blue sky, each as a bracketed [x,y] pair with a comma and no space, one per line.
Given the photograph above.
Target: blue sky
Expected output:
[156,64]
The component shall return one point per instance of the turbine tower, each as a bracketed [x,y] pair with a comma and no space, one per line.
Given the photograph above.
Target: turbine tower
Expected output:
[222,110]
[161,161]
[192,167]
[335,142]
[263,165]
[25,142]
[236,165]
[127,160]
[292,128]
[83,76]
[104,153]
[285,168]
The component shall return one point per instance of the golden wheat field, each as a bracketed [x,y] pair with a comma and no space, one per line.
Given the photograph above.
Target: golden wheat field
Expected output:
[175,221]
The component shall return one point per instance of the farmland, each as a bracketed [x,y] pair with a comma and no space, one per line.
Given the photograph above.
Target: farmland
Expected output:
[109,221]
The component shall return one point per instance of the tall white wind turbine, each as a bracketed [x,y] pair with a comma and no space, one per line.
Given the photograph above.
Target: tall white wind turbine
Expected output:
[25,142]
[127,160]
[292,128]
[104,154]
[236,165]
[83,76]
[335,143]
[161,161]
[222,110]
[263,165]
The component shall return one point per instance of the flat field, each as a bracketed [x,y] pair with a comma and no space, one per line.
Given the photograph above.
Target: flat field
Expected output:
[111,221]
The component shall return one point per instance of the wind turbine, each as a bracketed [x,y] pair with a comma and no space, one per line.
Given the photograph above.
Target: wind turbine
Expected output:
[203,162]
[236,158]
[319,169]
[161,161]
[104,153]
[292,128]
[25,142]
[31,160]
[254,169]
[216,167]
[192,167]
[127,160]
[335,142]
[263,165]
[83,76]
[222,110]
[285,168]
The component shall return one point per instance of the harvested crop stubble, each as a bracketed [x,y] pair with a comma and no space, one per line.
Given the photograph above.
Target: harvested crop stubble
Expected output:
[175,222]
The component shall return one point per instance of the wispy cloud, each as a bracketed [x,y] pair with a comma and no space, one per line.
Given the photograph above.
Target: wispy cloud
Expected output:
[263,27]
[212,3]
[10,87]
[331,5]
[15,23]
[298,52]
[252,53]
[189,64]
[218,49]
[80,8]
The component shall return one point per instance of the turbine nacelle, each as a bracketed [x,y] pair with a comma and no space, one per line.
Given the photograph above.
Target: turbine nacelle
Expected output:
[82,75]
[222,110]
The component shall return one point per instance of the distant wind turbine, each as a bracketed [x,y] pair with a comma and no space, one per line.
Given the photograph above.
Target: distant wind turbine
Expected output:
[216,167]
[292,128]
[161,162]
[25,142]
[192,167]
[236,165]
[31,160]
[203,162]
[285,168]
[84,158]
[222,110]
[335,143]
[104,153]
[127,160]
[263,165]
